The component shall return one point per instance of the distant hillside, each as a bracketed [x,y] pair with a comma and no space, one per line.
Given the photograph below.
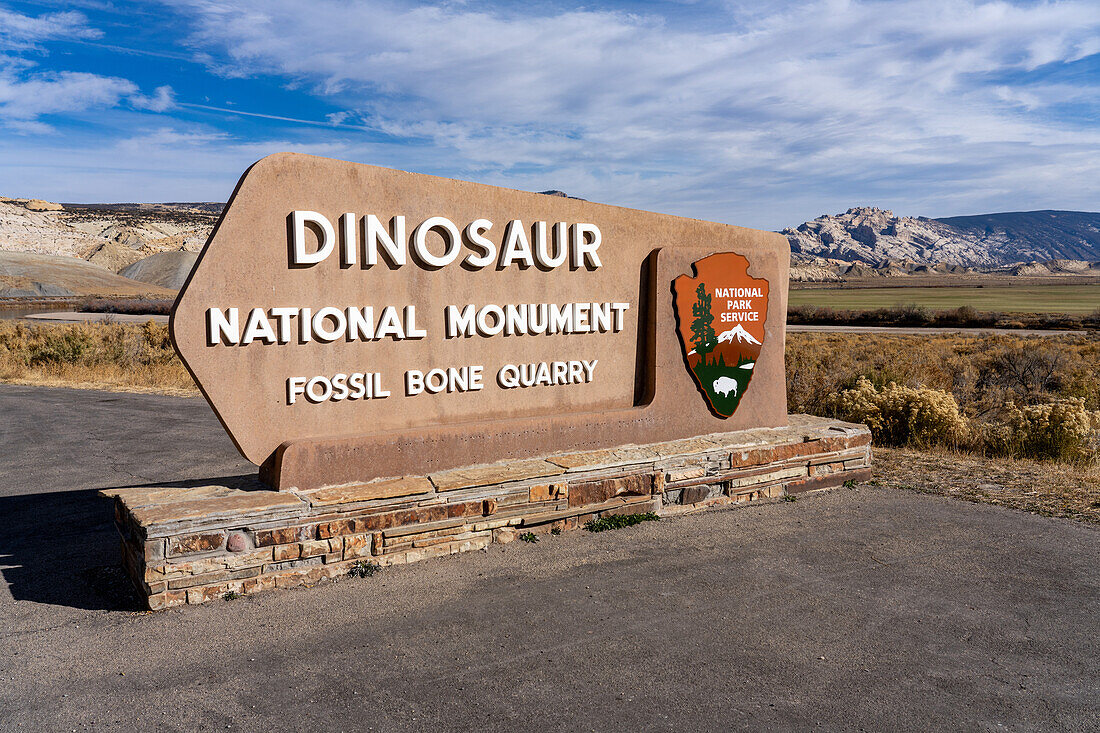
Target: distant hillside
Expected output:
[112,236]
[50,249]
[1023,236]
[172,207]
[24,274]
[877,238]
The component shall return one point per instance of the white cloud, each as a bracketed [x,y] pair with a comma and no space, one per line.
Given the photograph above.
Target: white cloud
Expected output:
[162,100]
[27,94]
[24,100]
[813,105]
[338,118]
[19,32]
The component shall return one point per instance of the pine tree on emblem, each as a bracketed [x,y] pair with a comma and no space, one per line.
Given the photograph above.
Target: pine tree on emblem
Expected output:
[702,326]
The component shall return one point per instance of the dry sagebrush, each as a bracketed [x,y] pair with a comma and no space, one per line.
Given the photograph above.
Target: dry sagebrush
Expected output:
[105,355]
[1000,395]
[899,415]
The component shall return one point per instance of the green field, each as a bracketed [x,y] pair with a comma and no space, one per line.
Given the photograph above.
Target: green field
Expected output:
[1073,299]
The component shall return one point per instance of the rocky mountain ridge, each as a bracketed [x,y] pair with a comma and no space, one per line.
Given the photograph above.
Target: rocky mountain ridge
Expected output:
[113,235]
[877,239]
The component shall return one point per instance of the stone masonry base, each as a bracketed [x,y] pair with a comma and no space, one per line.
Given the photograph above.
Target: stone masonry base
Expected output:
[189,543]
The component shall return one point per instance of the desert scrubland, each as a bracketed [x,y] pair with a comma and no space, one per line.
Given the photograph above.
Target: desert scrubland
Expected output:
[127,358]
[991,395]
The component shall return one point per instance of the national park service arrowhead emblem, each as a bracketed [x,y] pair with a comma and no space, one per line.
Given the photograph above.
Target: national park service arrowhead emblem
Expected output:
[720,315]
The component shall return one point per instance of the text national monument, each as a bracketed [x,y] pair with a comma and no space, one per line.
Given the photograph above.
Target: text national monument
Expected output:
[422,366]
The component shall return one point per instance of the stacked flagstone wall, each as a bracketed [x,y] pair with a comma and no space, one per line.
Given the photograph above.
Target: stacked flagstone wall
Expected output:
[191,543]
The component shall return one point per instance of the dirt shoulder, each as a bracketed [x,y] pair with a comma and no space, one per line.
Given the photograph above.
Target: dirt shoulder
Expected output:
[1048,489]
[68,382]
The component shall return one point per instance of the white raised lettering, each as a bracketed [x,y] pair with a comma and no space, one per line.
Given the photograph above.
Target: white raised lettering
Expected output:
[298,254]
[321,328]
[459,323]
[258,327]
[516,246]
[488,249]
[393,241]
[282,318]
[584,248]
[222,328]
[450,240]
[348,240]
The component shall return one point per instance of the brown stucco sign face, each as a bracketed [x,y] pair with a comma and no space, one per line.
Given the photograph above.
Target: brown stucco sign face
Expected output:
[347,321]
[721,314]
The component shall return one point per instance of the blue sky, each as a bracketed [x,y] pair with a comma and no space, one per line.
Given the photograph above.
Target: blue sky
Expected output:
[754,113]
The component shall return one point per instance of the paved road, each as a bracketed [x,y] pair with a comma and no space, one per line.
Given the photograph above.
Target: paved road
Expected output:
[78,317]
[863,608]
[923,330]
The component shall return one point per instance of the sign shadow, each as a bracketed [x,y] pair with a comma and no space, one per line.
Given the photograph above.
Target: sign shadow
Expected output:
[61,548]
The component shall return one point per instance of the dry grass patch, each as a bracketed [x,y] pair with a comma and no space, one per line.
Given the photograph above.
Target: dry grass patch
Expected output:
[1049,489]
[1059,297]
[137,358]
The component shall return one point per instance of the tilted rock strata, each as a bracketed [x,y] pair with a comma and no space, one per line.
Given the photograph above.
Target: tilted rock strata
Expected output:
[111,237]
[879,238]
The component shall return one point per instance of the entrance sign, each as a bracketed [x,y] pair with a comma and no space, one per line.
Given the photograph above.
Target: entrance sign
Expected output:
[348,322]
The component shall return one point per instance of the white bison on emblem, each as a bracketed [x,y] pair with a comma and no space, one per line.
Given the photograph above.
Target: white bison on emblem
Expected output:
[725,385]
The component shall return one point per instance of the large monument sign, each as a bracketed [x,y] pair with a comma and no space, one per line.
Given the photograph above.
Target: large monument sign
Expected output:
[347,322]
[424,367]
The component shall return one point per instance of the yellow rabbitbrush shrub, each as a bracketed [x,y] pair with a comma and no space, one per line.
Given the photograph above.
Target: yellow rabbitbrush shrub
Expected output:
[899,415]
[1011,391]
[94,355]
[1061,430]
[983,372]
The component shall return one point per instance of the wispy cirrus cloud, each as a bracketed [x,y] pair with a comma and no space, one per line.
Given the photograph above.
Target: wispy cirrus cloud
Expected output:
[933,104]
[162,100]
[23,32]
[169,163]
[24,99]
[27,93]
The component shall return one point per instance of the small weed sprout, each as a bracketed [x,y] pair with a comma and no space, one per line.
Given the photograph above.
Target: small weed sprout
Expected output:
[618,521]
[850,484]
[363,569]
[529,537]
[790,497]
[555,531]
[231,595]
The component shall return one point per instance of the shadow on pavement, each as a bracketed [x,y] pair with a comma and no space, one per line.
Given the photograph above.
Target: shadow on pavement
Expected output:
[61,548]
[241,482]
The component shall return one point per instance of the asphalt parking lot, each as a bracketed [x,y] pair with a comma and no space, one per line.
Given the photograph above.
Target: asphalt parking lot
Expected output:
[863,608]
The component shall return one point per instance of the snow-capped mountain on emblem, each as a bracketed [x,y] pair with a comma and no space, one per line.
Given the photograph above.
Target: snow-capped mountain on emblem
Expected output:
[739,333]
[721,296]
